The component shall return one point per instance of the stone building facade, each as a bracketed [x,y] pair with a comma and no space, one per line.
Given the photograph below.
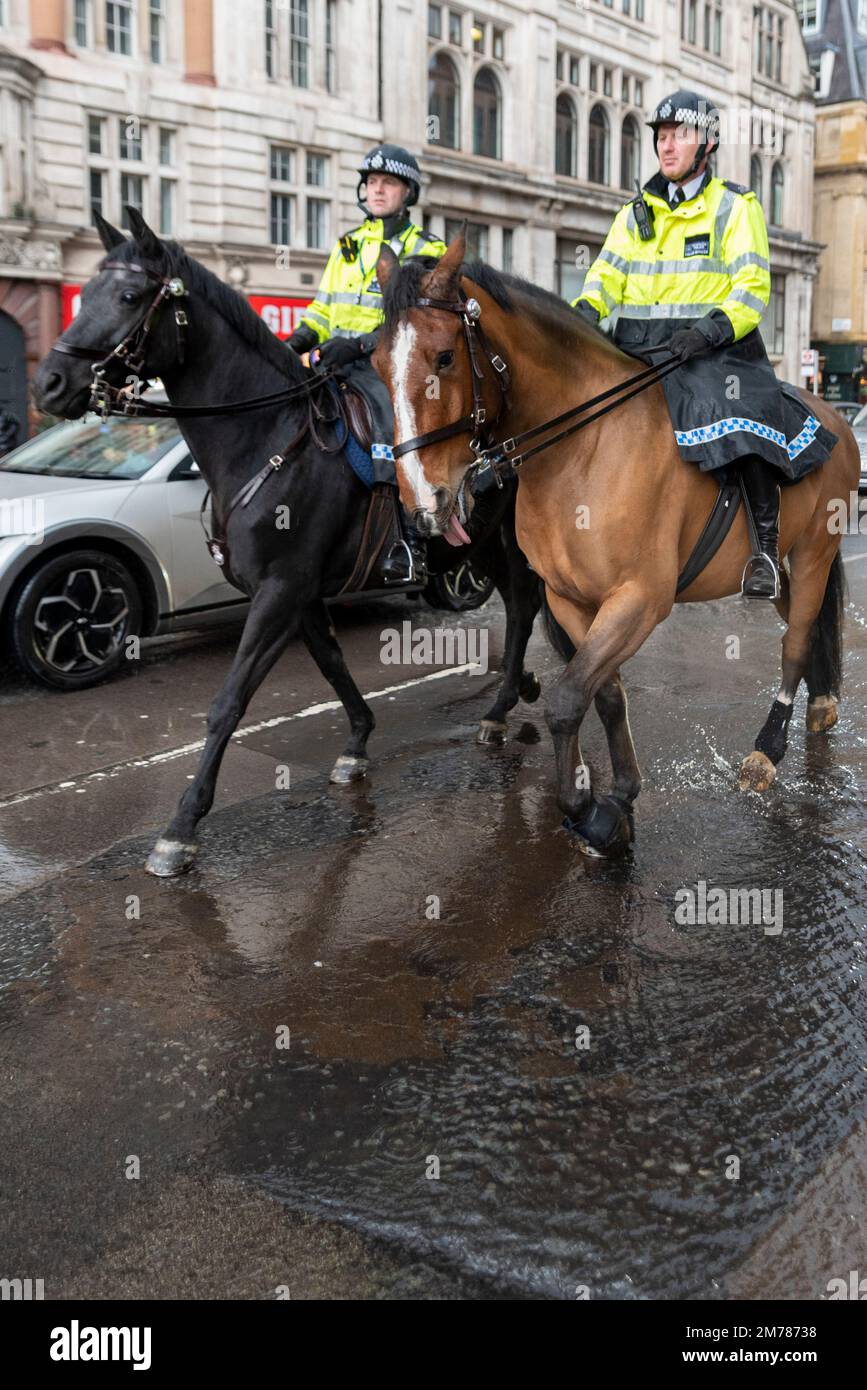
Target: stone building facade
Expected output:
[237,128]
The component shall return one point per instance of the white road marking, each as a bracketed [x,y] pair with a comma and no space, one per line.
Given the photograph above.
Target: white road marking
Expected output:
[170,754]
[404,417]
[850,559]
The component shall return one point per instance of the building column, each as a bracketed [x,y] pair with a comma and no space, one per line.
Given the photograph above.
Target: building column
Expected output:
[48,25]
[199,42]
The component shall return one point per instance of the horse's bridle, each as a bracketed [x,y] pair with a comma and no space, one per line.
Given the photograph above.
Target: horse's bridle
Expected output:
[131,348]
[476,423]
[505,456]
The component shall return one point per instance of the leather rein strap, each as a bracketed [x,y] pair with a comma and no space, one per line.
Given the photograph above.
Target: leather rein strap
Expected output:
[469,312]
[500,456]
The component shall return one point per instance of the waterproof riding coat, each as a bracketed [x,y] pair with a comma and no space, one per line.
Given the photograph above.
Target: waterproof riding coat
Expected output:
[707,267]
[348,304]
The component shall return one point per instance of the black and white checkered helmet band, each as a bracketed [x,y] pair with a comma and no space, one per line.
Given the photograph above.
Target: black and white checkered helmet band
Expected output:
[380,164]
[683,116]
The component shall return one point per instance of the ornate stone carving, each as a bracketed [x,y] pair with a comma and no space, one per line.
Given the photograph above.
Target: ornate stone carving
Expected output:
[29,255]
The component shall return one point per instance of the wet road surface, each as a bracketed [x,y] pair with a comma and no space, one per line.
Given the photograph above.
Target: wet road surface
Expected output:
[403,1040]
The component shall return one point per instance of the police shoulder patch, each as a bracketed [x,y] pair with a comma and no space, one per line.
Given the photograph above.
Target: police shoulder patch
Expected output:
[736,187]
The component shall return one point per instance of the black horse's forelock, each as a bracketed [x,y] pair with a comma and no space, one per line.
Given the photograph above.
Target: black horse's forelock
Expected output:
[512,293]
[228,303]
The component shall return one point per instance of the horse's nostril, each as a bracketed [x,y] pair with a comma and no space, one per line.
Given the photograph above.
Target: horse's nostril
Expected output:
[442,497]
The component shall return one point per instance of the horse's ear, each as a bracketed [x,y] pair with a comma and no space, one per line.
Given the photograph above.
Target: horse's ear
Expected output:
[386,265]
[147,239]
[108,235]
[447,271]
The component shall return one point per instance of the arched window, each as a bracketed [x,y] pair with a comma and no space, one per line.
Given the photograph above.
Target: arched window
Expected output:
[756,179]
[777,195]
[566,141]
[630,153]
[443,102]
[487,114]
[598,164]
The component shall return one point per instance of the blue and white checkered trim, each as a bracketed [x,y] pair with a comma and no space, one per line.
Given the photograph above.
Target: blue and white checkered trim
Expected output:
[382,451]
[692,438]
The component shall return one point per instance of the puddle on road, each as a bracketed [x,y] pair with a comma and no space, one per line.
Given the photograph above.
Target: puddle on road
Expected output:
[435,946]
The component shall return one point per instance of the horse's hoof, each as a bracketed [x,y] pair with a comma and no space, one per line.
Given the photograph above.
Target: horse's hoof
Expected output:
[586,848]
[168,858]
[605,828]
[347,770]
[757,773]
[530,687]
[821,714]
[490,731]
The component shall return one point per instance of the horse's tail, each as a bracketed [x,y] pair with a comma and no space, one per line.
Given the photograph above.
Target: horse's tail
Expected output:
[557,635]
[824,671]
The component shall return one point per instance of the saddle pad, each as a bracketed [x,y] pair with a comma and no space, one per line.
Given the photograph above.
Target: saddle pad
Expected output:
[359,461]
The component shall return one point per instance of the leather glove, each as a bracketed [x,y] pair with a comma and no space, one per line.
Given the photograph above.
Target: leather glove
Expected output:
[689,342]
[714,331]
[339,352]
[586,311]
[303,339]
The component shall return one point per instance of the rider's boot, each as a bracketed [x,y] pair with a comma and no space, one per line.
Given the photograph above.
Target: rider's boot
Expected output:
[761,577]
[406,561]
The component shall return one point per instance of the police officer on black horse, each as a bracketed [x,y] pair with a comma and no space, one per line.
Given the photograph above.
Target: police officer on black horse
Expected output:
[340,327]
[687,265]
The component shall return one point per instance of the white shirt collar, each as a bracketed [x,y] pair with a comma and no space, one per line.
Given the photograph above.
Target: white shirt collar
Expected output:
[689,189]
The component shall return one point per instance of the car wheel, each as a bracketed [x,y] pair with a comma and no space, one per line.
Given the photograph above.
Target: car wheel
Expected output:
[459,589]
[70,620]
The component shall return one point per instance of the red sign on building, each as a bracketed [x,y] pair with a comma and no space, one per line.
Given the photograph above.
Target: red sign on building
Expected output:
[280,312]
[70,303]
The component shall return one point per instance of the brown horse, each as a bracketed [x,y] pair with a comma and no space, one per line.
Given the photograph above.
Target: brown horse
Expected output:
[608,517]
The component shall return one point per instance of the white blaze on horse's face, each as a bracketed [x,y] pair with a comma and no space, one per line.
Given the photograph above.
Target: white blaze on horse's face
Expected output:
[404,418]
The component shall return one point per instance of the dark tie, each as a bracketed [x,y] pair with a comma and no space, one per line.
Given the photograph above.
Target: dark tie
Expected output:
[678,197]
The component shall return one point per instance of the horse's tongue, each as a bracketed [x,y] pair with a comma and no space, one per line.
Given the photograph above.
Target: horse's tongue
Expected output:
[455,533]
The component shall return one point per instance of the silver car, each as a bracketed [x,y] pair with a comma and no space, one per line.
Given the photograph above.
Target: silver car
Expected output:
[101,541]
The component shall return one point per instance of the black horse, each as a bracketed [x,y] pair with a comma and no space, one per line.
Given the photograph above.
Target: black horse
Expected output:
[215,349]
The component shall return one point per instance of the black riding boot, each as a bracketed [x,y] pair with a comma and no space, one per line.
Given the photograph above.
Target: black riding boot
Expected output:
[406,561]
[761,577]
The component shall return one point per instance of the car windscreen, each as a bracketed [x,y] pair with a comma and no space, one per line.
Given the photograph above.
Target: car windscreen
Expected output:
[95,448]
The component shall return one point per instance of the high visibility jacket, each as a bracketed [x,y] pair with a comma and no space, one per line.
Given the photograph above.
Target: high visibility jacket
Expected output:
[709,253]
[348,303]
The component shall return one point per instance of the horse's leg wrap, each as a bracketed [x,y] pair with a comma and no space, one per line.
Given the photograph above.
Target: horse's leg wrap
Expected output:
[773,738]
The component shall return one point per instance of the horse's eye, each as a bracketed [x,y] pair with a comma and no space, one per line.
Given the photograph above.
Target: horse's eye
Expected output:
[445,359]
[130,297]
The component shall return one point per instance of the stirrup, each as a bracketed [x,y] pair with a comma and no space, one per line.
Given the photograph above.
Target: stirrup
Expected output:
[409,578]
[755,568]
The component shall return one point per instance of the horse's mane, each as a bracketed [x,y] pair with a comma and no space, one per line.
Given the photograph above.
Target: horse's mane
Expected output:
[228,303]
[551,314]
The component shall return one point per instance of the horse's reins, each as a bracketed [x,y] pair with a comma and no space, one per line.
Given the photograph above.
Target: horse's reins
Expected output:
[114,400]
[498,456]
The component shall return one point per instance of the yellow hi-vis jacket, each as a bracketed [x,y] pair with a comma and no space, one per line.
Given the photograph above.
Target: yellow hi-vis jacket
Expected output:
[710,252]
[348,303]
